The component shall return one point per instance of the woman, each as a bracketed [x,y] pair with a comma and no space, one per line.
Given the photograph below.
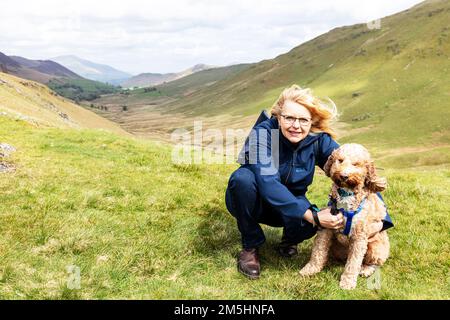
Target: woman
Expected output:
[274,194]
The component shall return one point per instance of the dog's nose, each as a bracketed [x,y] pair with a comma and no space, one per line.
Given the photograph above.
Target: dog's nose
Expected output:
[344,177]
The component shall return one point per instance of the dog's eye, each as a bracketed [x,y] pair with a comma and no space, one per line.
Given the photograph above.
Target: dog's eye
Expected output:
[356,164]
[340,160]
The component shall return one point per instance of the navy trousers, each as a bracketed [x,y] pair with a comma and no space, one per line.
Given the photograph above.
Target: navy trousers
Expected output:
[245,204]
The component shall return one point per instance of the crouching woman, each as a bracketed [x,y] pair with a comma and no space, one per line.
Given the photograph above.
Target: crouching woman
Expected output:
[296,137]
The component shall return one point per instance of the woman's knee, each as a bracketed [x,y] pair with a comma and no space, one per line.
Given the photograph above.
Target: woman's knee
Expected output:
[307,231]
[296,231]
[242,199]
[242,179]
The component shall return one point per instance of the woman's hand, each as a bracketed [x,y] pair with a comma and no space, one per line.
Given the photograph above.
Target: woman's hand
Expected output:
[326,219]
[329,221]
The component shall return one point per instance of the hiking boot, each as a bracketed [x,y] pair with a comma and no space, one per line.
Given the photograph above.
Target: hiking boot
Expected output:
[287,248]
[248,263]
[287,251]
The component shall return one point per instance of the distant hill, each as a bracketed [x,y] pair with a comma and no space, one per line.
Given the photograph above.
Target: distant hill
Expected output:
[93,71]
[152,79]
[188,85]
[57,77]
[6,62]
[37,104]
[176,89]
[37,70]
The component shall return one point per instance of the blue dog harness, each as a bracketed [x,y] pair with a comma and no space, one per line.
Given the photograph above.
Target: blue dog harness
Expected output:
[348,214]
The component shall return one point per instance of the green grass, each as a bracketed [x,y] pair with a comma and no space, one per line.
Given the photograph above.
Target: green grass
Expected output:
[139,226]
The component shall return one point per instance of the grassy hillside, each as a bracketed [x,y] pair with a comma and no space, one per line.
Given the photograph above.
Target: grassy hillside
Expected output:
[390,85]
[60,79]
[35,103]
[141,118]
[139,226]
[188,85]
[170,91]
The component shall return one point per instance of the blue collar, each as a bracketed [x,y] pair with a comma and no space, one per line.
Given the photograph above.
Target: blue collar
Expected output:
[343,193]
[348,214]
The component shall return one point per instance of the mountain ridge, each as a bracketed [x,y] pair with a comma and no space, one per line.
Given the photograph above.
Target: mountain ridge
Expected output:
[153,79]
[93,70]
[37,70]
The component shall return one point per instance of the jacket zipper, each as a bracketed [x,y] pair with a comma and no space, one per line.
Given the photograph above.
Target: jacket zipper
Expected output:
[292,165]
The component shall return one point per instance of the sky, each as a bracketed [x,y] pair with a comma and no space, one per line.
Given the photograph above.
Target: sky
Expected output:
[139,36]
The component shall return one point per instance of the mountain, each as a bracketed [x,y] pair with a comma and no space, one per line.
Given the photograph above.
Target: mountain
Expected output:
[148,79]
[91,70]
[6,62]
[37,104]
[176,89]
[57,77]
[390,85]
[37,70]
[188,85]
[153,79]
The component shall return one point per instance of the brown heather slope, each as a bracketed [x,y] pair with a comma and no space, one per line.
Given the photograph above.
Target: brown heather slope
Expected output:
[37,70]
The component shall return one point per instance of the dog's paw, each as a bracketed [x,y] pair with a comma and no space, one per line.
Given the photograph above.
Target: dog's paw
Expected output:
[309,270]
[347,283]
[367,271]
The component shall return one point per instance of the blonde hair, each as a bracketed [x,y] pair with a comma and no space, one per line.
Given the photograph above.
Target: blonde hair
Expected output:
[322,114]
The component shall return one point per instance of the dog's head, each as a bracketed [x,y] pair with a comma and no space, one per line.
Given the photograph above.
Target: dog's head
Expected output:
[350,166]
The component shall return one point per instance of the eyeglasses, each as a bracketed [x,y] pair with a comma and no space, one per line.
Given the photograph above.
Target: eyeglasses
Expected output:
[291,120]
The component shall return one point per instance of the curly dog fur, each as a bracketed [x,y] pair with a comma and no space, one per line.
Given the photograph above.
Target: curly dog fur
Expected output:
[351,169]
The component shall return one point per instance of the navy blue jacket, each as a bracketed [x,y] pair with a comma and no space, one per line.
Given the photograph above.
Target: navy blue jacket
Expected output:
[286,187]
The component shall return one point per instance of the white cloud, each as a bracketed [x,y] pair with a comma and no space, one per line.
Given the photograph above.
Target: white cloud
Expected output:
[170,35]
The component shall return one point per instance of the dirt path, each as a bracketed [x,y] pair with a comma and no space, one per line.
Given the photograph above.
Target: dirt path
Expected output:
[408,150]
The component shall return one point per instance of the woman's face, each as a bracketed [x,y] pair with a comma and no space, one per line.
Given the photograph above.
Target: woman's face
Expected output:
[294,121]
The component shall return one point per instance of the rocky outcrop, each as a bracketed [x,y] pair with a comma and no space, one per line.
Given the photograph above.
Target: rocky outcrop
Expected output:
[5,151]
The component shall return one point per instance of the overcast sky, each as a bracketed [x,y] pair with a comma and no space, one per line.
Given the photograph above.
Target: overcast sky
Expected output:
[171,35]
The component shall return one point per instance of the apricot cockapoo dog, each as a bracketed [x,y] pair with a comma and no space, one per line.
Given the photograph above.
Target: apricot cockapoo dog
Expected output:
[354,193]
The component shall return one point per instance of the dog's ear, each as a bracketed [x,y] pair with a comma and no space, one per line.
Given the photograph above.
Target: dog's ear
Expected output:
[373,182]
[329,163]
